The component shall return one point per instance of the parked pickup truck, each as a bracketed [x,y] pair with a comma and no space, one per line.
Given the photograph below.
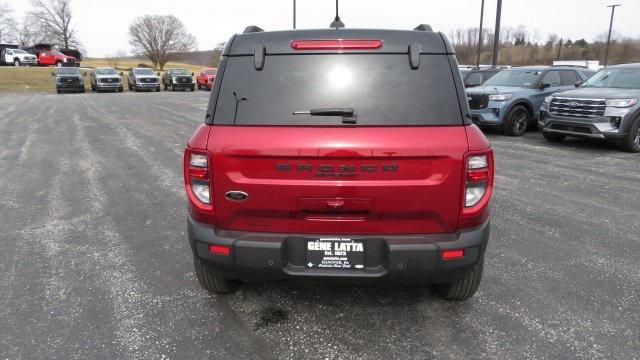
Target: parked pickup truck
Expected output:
[106,79]
[55,58]
[18,57]
[339,156]
[206,78]
[69,79]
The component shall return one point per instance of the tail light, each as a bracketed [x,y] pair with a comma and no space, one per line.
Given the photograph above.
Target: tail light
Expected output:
[478,186]
[197,179]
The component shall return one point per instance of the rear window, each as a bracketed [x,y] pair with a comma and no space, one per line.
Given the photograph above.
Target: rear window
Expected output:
[381,88]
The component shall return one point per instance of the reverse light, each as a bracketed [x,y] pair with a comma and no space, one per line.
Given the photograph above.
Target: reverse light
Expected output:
[500,97]
[199,160]
[621,103]
[336,44]
[452,254]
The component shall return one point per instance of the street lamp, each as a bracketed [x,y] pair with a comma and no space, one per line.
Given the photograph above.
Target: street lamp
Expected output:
[606,52]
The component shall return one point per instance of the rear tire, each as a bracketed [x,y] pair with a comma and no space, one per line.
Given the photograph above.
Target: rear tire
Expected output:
[213,280]
[16,62]
[517,121]
[463,288]
[632,142]
[552,137]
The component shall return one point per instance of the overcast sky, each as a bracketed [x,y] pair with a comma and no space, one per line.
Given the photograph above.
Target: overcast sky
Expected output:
[102,24]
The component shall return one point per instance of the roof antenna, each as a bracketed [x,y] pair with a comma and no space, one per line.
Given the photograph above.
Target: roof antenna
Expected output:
[337,23]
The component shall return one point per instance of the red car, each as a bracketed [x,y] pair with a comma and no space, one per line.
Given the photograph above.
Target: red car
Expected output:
[206,78]
[55,57]
[339,156]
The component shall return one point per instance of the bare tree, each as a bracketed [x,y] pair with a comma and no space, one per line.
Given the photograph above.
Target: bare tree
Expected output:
[116,59]
[7,23]
[159,38]
[214,60]
[56,19]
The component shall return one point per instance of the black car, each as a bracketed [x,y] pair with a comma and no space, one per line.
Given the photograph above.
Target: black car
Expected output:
[477,76]
[178,79]
[69,79]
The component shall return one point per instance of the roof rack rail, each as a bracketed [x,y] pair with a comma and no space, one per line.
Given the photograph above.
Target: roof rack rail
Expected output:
[567,65]
[252,29]
[423,27]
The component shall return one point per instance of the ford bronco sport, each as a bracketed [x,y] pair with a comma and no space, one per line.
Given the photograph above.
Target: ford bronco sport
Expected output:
[339,154]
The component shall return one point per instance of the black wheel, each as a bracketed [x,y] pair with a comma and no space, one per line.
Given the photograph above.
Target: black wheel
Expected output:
[58,92]
[165,87]
[82,91]
[16,62]
[517,121]
[120,90]
[552,137]
[158,89]
[59,63]
[199,86]
[193,88]
[632,142]
[171,87]
[212,280]
[463,288]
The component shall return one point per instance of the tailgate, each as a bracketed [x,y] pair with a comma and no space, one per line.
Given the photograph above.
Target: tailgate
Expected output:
[338,180]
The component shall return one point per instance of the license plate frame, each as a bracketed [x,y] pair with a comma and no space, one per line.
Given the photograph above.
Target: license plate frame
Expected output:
[338,253]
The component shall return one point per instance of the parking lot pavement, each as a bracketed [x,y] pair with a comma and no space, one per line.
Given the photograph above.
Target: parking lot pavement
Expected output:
[95,261]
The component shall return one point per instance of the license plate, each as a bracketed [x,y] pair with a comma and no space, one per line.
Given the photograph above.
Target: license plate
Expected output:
[335,253]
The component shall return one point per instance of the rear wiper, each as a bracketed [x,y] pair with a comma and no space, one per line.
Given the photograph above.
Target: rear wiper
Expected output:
[348,114]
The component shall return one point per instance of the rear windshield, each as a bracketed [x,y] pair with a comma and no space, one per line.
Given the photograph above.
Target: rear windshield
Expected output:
[381,88]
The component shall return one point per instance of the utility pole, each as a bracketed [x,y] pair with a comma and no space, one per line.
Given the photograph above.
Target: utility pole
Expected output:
[294,14]
[480,34]
[606,52]
[559,49]
[496,35]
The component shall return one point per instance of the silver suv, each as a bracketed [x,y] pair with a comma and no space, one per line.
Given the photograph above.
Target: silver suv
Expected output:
[603,107]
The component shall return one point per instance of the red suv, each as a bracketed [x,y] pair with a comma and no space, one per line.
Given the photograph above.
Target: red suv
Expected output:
[339,154]
[206,78]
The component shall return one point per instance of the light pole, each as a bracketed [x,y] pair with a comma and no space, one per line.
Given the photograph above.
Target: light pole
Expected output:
[294,14]
[496,35]
[606,52]
[480,34]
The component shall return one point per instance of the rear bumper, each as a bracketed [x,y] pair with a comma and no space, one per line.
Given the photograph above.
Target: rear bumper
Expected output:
[415,258]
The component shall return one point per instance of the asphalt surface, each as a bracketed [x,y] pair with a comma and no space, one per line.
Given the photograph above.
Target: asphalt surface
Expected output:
[95,261]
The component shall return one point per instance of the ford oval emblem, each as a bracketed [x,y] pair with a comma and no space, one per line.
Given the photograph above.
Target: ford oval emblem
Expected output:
[236,195]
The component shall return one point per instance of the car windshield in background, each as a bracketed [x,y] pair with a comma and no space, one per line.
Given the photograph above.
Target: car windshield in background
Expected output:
[381,89]
[18,51]
[143,72]
[178,72]
[105,72]
[615,78]
[519,78]
[68,71]
[211,72]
